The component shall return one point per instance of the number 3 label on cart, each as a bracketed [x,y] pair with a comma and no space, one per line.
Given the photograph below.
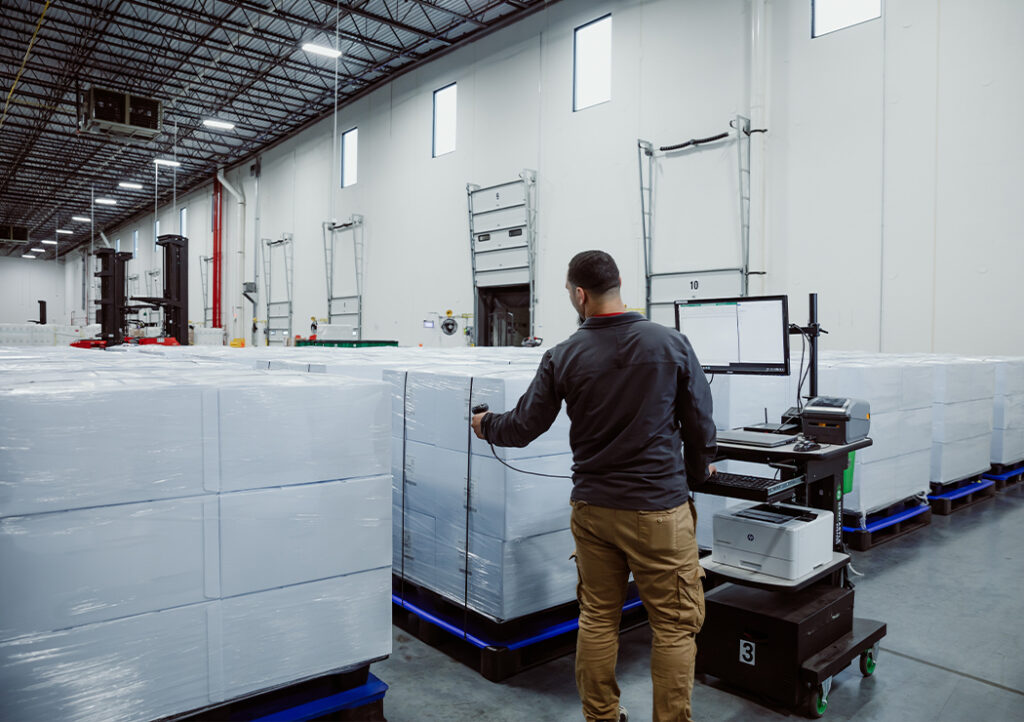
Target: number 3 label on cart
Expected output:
[747,652]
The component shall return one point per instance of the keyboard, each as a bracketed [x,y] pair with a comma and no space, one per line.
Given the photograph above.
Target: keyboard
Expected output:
[743,486]
[753,438]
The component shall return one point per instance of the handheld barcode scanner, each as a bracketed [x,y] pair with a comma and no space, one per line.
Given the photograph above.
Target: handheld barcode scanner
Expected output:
[481,408]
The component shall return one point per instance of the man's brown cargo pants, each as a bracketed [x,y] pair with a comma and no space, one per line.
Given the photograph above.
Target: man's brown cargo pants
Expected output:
[660,549]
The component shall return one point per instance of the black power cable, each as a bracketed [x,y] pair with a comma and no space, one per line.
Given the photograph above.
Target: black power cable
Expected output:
[483,408]
[694,141]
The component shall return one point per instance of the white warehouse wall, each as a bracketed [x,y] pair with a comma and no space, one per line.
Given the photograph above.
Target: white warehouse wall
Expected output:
[886,174]
[891,174]
[24,282]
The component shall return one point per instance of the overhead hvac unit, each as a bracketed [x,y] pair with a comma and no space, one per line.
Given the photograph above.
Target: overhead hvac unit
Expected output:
[13,234]
[111,112]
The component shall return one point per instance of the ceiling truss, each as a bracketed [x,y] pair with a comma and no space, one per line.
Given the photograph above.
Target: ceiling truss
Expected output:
[235,60]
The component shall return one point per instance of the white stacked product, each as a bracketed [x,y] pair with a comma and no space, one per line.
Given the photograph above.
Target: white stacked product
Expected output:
[33,334]
[962,410]
[174,536]
[1008,412]
[898,463]
[208,336]
[739,401]
[517,526]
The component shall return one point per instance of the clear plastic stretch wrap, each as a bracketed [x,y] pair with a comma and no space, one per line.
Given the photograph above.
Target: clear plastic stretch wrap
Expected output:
[1008,411]
[962,414]
[175,535]
[517,525]
[897,464]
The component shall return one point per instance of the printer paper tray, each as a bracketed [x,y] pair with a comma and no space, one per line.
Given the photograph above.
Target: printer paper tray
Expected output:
[767,581]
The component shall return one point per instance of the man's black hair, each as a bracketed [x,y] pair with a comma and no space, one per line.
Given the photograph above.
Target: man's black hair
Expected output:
[594,272]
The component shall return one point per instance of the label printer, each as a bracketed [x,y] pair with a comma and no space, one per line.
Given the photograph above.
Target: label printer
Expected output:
[782,540]
[834,420]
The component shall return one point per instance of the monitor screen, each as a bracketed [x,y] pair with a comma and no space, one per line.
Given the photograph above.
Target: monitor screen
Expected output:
[745,335]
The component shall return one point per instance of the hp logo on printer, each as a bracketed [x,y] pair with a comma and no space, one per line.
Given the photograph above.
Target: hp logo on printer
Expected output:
[750,537]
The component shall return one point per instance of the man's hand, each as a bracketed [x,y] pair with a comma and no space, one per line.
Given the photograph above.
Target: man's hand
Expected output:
[476,422]
[712,470]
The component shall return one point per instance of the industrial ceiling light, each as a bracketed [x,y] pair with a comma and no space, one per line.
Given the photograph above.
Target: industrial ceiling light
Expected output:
[81,219]
[219,124]
[53,243]
[106,201]
[62,232]
[166,161]
[130,186]
[321,50]
[27,255]
[38,250]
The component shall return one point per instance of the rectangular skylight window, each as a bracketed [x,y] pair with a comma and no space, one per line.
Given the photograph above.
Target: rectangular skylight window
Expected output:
[592,63]
[349,157]
[827,16]
[444,120]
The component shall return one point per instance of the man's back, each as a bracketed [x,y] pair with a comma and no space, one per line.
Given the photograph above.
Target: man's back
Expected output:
[623,378]
[631,387]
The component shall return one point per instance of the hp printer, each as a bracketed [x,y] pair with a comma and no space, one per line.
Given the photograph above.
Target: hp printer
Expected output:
[782,540]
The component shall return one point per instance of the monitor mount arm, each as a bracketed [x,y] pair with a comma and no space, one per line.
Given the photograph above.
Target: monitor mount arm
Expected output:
[811,331]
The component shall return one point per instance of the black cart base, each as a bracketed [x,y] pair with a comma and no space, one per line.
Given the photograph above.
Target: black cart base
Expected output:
[782,647]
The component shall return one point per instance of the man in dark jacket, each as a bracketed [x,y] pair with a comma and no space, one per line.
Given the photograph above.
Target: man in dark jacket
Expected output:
[633,391]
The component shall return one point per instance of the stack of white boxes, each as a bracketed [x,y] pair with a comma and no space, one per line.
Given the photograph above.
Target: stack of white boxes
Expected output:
[518,525]
[50,334]
[741,401]
[173,540]
[1008,412]
[897,464]
[962,411]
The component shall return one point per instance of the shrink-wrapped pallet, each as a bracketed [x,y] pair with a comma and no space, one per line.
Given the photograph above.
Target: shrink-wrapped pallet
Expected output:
[166,546]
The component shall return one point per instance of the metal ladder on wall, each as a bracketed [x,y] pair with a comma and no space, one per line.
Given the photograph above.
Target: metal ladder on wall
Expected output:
[204,276]
[344,308]
[502,238]
[665,287]
[279,310]
[154,287]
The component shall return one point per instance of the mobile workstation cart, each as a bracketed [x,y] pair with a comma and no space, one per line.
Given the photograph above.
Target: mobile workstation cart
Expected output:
[778,639]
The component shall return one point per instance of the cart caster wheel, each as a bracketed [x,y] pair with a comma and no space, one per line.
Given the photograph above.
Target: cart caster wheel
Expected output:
[867,663]
[816,702]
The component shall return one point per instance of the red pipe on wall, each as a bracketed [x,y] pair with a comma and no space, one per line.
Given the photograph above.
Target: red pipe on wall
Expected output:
[218,223]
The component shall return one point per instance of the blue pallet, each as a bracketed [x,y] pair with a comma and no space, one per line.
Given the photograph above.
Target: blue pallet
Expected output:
[962,491]
[890,520]
[548,633]
[1005,475]
[372,691]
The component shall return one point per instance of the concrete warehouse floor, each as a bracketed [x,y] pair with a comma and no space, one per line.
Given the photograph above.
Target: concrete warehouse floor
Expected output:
[952,594]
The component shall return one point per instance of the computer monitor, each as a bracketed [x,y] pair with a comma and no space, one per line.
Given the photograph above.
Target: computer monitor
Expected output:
[743,335]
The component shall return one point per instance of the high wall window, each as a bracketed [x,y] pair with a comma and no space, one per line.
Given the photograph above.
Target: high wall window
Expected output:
[592,63]
[444,120]
[135,243]
[349,157]
[183,222]
[830,15]
[117,245]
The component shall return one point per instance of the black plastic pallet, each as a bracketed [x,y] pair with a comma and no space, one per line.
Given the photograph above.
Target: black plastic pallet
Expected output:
[886,524]
[1006,476]
[497,650]
[998,469]
[954,496]
[283,701]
